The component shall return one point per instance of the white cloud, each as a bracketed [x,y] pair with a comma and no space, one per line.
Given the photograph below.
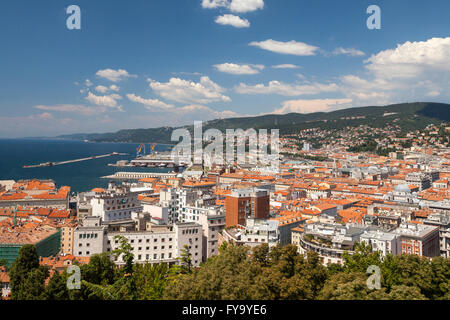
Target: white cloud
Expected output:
[240,6]
[201,112]
[413,71]
[232,20]
[246,5]
[149,103]
[214,4]
[185,91]
[285,89]
[71,108]
[103,89]
[349,51]
[107,100]
[433,94]
[410,59]
[88,83]
[315,105]
[239,68]
[290,47]
[286,66]
[45,116]
[114,75]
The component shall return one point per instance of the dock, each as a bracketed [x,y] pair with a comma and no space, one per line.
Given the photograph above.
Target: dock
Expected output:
[140,175]
[58,163]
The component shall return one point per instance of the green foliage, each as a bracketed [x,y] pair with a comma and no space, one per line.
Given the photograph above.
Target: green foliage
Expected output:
[4,263]
[57,288]
[26,276]
[185,259]
[239,273]
[236,274]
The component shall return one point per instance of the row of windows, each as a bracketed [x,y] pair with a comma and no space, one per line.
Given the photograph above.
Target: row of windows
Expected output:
[190,231]
[120,214]
[155,256]
[120,207]
[154,248]
[88,236]
[117,201]
[155,240]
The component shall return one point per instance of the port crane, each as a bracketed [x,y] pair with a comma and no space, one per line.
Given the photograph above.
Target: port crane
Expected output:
[141,147]
[152,147]
[139,150]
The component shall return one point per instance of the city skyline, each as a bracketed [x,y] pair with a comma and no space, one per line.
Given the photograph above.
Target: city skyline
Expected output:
[160,63]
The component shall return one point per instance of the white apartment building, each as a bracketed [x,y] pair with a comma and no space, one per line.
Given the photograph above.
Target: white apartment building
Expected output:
[212,220]
[161,243]
[115,204]
[385,243]
[175,200]
[255,233]
[90,238]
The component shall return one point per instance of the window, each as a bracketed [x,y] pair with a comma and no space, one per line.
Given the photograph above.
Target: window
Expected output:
[155,248]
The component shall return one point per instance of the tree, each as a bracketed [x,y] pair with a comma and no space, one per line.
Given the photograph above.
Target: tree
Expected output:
[185,259]
[99,270]
[403,292]
[27,276]
[151,280]
[345,286]
[57,288]
[3,263]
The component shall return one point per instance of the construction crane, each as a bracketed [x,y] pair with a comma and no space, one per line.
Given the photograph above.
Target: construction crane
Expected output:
[152,147]
[139,150]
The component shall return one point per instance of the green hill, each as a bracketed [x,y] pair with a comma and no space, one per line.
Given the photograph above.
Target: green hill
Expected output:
[408,116]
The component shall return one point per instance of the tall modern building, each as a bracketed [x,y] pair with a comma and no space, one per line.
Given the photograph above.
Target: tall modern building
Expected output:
[243,204]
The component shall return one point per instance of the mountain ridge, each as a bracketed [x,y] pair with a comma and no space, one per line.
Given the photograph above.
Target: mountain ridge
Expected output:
[407,115]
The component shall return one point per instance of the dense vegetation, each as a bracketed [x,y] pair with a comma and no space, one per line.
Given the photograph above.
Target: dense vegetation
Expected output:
[239,273]
[409,116]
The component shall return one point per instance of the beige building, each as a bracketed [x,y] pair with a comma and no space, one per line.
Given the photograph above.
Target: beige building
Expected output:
[67,239]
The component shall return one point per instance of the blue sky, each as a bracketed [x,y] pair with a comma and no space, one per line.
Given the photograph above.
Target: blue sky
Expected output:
[151,63]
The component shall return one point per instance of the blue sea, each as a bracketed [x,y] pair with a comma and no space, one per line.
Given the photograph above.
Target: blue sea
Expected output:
[80,176]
